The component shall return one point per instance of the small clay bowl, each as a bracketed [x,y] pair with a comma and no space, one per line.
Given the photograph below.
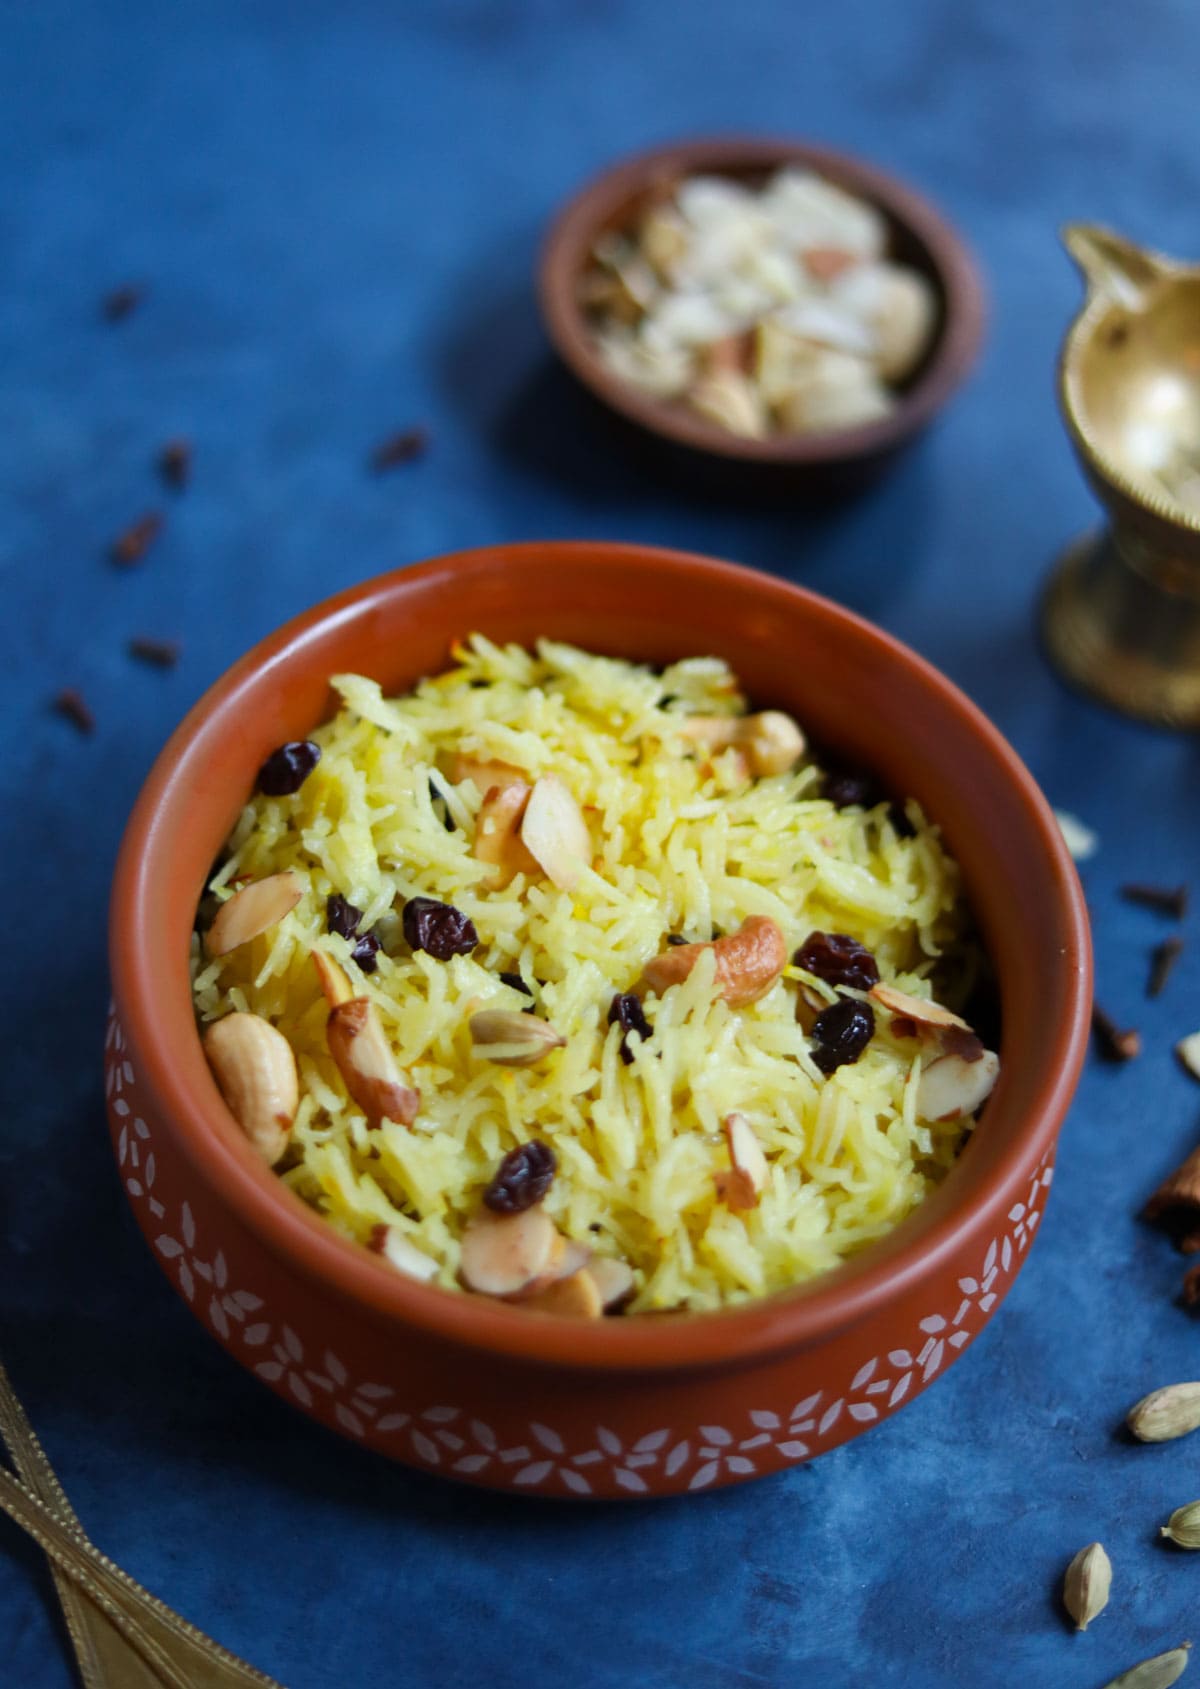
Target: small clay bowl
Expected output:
[500,1395]
[805,464]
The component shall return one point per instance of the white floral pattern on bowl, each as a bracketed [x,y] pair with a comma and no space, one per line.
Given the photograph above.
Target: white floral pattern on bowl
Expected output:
[442,1437]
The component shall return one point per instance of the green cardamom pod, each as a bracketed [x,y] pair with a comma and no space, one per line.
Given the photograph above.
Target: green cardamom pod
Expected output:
[1170,1412]
[1086,1585]
[1183,1526]
[1157,1673]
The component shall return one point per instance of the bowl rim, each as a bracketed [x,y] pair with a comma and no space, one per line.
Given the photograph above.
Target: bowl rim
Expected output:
[305,1242]
[954,353]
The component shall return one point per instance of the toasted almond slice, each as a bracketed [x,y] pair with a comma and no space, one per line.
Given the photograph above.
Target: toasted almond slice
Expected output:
[334,980]
[253,1064]
[614,1280]
[554,831]
[576,1297]
[746,1180]
[498,833]
[749,961]
[358,1044]
[483,772]
[513,1040]
[951,1087]
[401,1254]
[252,910]
[926,1018]
[504,1254]
[1188,1051]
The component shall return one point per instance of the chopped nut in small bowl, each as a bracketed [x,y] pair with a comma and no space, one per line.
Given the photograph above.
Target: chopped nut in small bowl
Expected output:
[794,313]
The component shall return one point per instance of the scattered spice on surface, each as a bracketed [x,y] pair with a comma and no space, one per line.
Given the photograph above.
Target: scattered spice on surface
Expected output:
[162,653]
[378,1238]
[1162,960]
[1190,1289]
[1113,1044]
[1183,1527]
[134,542]
[1166,900]
[1087,1583]
[121,302]
[1080,840]
[626,1011]
[841,1033]
[438,928]
[1176,1204]
[838,960]
[71,703]
[522,1178]
[1156,1673]
[1188,1051]
[175,463]
[402,447]
[288,767]
[1170,1412]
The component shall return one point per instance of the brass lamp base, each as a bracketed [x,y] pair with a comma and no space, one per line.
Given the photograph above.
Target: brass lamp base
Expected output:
[1126,630]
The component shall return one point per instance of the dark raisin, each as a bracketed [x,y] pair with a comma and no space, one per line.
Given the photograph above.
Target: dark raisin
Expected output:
[439,928]
[440,809]
[522,1178]
[838,960]
[341,916]
[365,952]
[517,983]
[676,938]
[844,787]
[287,768]
[626,1011]
[841,1033]
[901,825]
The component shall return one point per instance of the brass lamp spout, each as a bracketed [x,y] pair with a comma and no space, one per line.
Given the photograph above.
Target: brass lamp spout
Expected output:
[1121,616]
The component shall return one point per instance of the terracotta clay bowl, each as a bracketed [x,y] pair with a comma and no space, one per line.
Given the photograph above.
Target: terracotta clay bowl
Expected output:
[498,1395]
[806,464]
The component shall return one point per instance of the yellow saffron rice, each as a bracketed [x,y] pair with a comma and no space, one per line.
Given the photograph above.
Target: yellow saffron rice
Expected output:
[683,844]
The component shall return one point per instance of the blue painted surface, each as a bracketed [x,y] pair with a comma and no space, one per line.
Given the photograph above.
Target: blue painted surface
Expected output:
[336,209]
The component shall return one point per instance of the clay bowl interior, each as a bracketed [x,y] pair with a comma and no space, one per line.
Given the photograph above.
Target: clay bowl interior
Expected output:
[855,690]
[920,236]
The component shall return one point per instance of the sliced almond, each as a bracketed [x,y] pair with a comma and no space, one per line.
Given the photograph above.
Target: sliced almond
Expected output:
[554,831]
[253,1064]
[252,910]
[746,1180]
[513,1040]
[915,1018]
[951,1087]
[576,1297]
[498,832]
[358,1044]
[614,1280]
[1188,1051]
[504,1254]
[483,772]
[335,982]
[401,1254]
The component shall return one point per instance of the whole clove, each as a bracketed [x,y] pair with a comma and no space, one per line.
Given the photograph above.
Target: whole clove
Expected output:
[71,703]
[121,302]
[1113,1044]
[399,448]
[175,463]
[1165,900]
[131,545]
[1162,960]
[162,653]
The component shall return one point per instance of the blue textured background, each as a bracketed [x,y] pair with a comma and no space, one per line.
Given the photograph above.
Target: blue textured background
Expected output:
[336,209]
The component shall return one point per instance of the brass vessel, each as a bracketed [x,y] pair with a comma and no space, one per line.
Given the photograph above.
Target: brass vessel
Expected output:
[1121,614]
